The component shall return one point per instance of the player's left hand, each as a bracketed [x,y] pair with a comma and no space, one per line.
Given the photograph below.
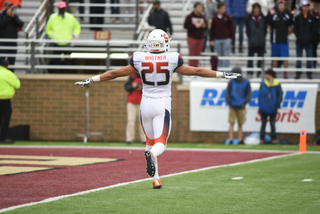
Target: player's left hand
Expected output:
[84,83]
[231,75]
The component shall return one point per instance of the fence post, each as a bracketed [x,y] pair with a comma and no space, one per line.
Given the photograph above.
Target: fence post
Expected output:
[262,68]
[108,56]
[180,76]
[37,27]
[27,44]
[33,61]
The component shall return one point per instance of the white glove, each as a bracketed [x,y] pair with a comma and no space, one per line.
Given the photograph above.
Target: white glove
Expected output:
[84,83]
[230,75]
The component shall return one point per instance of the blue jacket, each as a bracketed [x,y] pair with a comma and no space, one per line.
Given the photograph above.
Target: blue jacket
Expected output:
[238,93]
[236,8]
[270,97]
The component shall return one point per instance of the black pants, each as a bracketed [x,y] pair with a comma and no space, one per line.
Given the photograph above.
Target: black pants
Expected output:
[264,118]
[11,60]
[62,61]
[5,116]
[97,10]
[314,53]
[251,52]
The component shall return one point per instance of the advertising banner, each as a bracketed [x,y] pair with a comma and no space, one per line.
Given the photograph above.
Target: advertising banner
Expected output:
[209,110]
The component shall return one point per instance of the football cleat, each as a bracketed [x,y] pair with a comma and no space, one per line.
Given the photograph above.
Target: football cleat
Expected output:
[157,184]
[151,169]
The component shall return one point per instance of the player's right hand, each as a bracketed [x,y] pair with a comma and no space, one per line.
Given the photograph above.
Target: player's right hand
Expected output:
[84,83]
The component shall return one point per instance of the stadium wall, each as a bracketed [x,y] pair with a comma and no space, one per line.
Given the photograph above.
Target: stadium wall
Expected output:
[55,109]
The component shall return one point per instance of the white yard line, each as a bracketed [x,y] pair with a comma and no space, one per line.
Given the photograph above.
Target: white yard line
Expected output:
[137,181]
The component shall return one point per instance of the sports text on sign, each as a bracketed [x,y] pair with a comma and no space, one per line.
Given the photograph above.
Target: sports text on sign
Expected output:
[291,99]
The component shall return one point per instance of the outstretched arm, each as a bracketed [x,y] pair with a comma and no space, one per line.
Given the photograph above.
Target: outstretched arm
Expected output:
[108,75]
[204,72]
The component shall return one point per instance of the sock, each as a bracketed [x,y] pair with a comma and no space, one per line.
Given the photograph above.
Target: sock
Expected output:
[156,174]
[158,149]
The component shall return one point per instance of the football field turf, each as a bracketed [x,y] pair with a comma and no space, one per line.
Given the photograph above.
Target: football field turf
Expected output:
[270,185]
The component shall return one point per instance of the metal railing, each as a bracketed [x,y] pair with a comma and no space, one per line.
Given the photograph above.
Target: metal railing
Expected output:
[38,53]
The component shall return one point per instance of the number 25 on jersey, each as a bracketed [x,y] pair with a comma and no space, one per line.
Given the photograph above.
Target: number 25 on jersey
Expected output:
[159,70]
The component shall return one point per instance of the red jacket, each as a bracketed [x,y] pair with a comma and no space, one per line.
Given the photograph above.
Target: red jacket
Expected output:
[222,28]
[189,24]
[134,94]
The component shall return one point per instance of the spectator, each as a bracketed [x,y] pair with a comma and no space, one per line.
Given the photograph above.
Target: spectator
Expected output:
[237,10]
[160,18]
[115,10]
[238,94]
[222,33]
[269,99]
[8,84]
[9,25]
[316,40]
[256,30]
[15,3]
[273,11]
[265,5]
[97,10]
[279,25]
[62,26]
[209,10]
[134,87]
[196,25]
[306,31]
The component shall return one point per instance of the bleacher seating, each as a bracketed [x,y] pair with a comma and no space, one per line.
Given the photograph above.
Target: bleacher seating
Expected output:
[177,15]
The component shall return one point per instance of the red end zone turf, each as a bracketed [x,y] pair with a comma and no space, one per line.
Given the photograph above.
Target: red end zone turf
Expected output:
[53,172]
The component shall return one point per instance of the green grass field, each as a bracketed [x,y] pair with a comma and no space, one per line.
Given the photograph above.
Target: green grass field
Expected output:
[268,186]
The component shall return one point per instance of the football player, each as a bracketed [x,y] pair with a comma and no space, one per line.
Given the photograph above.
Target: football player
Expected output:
[156,68]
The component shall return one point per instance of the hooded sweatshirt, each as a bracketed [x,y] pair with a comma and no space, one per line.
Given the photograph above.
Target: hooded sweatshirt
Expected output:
[256,30]
[270,97]
[8,83]
[238,92]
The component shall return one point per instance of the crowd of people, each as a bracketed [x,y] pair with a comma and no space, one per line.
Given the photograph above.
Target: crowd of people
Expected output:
[222,18]
[212,22]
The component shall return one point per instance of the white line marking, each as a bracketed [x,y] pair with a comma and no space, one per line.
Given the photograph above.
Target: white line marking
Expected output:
[237,178]
[307,179]
[137,181]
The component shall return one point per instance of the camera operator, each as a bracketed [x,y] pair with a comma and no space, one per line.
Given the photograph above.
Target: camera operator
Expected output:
[9,27]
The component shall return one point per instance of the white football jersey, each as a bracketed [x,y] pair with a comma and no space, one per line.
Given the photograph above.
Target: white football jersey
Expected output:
[156,71]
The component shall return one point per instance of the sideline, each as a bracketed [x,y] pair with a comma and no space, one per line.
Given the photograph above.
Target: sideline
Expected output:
[141,180]
[170,149]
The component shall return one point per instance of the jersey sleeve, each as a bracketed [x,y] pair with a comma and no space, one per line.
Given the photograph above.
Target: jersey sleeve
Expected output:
[180,62]
[132,62]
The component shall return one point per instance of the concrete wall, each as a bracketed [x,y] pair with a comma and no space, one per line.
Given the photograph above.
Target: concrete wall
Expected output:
[55,109]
